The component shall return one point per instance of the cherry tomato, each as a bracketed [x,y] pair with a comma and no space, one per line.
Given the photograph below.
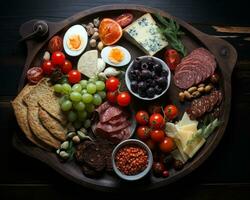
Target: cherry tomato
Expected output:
[66,67]
[124,19]
[123,99]
[171,112]
[151,144]
[48,67]
[167,145]
[55,44]
[74,76]
[142,132]
[142,117]
[158,168]
[172,58]
[157,135]
[112,84]
[35,74]
[156,121]
[58,58]
[112,96]
[165,173]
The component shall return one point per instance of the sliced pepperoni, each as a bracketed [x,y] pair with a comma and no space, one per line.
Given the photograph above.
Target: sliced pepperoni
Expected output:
[184,79]
[220,97]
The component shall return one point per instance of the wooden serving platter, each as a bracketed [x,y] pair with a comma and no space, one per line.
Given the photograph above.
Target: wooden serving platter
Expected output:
[225,56]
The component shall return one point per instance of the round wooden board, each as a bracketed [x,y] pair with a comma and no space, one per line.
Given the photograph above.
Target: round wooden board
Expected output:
[225,55]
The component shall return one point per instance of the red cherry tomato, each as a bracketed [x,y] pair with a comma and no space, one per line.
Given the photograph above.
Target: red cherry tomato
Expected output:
[124,19]
[142,132]
[142,117]
[172,58]
[167,145]
[35,74]
[112,84]
[123,99]
[58,58]
[66,67]
[171,112]
[55,44]
[157,135]
[165,173]
[112,96]
[48,67]
[156,121]
[74,76]
[158,168]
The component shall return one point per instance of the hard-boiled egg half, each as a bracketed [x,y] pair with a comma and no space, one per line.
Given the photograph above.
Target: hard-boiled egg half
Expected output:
[116,56]
[75,40]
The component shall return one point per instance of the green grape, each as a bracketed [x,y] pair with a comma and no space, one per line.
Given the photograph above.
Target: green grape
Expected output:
[66,105]
[77,88]
[92,80]
[79,106]
[87,123]
[82,115]
[97,100]
[66,88]
[87,98]
[63,98]
[84,91]
[90,108]
[72,116]
[84,83]
[77,124]
[58,88]
[100,85]
[91,88]
[75,96]
[102,94]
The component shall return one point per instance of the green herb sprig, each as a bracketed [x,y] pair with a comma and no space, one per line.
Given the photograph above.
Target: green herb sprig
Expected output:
[206,130]
[172,32]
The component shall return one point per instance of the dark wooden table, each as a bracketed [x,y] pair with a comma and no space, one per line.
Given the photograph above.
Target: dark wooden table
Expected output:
[226,174]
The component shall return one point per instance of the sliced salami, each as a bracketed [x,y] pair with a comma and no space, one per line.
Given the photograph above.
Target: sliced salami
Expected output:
[184,79]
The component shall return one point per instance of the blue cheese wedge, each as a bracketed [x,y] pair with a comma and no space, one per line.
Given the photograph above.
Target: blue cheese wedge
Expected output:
[145,34]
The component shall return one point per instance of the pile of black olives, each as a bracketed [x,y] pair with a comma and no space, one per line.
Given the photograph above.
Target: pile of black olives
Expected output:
[147,77]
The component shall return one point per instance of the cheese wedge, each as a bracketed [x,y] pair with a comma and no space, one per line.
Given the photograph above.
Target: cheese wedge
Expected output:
[193,147]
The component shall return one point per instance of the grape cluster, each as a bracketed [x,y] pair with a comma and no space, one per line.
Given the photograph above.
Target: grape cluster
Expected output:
[79,100]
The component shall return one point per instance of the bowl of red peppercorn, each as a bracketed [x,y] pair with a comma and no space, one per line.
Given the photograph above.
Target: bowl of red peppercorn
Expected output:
[132,159]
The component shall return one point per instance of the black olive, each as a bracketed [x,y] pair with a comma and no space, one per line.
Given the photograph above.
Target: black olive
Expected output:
[162,81]
[150,92]
[132,75]
[146,74]
[157,68]
[164,73]
[144,65]
[158,89]
[134,86]
[142,86]
[142,93]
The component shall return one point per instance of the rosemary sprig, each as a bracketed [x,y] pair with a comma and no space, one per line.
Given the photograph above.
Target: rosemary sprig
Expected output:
[172,31]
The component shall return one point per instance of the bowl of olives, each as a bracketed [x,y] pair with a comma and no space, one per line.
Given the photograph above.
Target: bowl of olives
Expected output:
[147,77]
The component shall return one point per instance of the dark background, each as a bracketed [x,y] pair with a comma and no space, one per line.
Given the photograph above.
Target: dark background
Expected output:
[225,174]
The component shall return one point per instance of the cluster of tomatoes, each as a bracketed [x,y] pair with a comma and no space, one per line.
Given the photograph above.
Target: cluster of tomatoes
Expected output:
[58,61]
[151,130]
[113,94]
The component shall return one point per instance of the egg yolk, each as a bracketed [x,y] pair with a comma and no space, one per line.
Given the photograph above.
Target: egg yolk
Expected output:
[116,55]
[74,42]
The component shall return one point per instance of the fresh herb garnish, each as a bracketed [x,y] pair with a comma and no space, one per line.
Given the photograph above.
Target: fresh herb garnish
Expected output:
[172,31]
[71,150]
[206,130]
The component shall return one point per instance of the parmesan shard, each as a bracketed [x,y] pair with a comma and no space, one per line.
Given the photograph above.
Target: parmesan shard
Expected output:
[87,63]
